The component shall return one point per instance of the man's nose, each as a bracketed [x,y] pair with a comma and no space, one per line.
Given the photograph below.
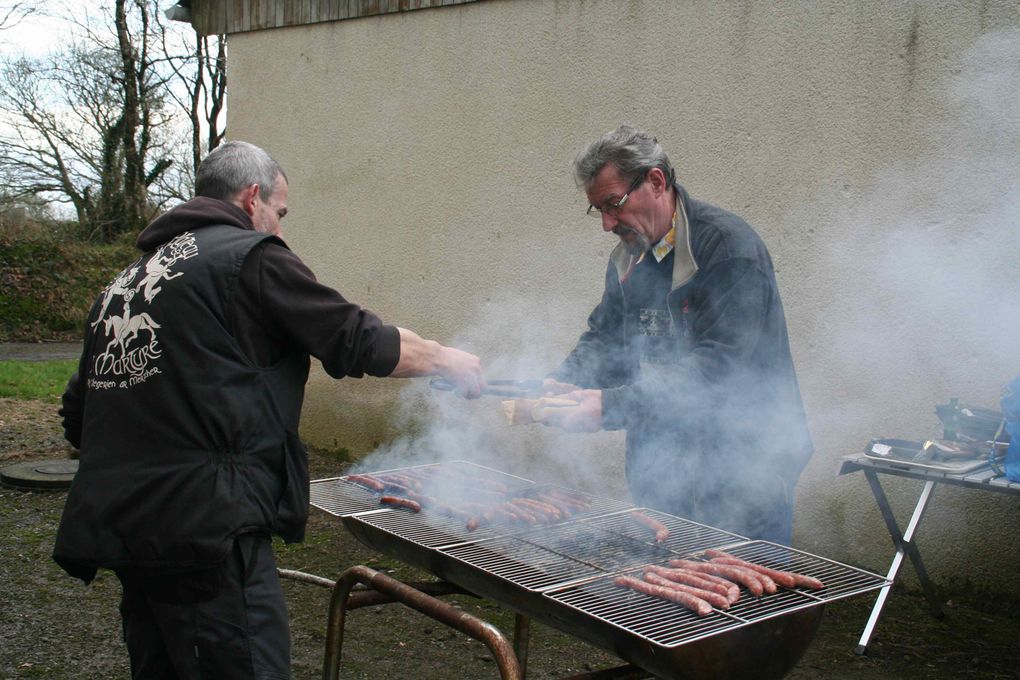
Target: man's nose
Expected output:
[608,222]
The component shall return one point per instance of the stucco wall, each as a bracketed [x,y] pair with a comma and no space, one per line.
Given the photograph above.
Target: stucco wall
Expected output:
[872,144]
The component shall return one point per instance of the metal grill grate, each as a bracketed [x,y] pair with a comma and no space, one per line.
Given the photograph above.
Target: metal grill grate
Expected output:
[685,536]
[840,580]
[424,529]
[597,505]
[592,545]
[668,624]
[341,498]
[521,562]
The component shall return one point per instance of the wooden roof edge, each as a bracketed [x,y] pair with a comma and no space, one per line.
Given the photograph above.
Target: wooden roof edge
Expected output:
[218,17]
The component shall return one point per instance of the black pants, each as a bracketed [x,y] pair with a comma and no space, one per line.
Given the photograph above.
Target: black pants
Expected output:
[230,624]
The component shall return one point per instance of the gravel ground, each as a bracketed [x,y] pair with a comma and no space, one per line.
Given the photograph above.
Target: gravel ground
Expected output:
[53,627]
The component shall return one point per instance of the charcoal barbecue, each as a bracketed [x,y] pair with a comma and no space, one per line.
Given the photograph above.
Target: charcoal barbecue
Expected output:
[562,574]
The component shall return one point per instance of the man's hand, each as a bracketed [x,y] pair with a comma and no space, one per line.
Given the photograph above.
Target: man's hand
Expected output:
[585,417]
[420,357]
[464,370]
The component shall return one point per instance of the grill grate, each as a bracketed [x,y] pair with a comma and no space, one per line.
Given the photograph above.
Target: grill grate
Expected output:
[668,624]
[590,544]
[341,498]
[523,563]
[685,536]
[424,529]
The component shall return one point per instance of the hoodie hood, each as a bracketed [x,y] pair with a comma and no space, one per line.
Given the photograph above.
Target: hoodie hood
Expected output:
[197,213]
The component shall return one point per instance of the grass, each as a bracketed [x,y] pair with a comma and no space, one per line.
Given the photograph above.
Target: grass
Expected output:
[41,380]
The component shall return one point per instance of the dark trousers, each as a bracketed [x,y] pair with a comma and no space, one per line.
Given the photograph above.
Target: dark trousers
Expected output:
[229,624]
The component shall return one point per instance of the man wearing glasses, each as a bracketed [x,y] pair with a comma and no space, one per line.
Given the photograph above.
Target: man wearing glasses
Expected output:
[687,351]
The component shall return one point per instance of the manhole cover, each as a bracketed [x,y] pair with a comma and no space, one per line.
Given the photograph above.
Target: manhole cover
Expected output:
[40,474]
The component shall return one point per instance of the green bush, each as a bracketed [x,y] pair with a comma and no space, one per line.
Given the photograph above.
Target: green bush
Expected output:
[49,282]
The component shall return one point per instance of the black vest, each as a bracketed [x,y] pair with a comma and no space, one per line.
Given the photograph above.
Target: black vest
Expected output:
[185,442]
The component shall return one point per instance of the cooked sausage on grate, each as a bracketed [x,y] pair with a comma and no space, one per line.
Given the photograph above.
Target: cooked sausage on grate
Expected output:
[695,604]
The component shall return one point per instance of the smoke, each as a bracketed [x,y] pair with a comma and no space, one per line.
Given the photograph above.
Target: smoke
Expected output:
[918,300]
[924,264]
[513,335]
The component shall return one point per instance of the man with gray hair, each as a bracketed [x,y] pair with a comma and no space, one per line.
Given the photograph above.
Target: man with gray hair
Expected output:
[687,351]
[186,407]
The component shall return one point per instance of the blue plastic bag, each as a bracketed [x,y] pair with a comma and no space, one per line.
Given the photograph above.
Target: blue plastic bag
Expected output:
[1011,413]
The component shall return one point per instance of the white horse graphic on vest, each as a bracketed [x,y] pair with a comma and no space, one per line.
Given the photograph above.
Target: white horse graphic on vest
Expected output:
[125,328]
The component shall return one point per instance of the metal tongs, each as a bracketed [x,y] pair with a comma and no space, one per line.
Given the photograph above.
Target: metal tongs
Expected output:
[514,389]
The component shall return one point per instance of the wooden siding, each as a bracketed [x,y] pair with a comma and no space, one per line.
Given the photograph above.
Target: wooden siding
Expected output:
[211,17]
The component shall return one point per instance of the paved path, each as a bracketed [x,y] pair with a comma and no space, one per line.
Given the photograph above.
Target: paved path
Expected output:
[39,351]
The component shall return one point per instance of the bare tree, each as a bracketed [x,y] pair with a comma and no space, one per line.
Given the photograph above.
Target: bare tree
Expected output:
[116,123]
[12,13]
[199,67]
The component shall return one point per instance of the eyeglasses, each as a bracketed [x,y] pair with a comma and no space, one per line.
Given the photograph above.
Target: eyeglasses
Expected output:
[613,209]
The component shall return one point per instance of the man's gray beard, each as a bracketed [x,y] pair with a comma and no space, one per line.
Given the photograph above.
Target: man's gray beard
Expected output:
[639,246]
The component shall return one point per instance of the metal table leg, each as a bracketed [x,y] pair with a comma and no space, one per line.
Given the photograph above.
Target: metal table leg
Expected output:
[904,543]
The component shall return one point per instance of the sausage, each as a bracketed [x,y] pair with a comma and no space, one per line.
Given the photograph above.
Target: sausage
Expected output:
[395,478]
[569,499]
[805,581]
[787,579]
[745,577]
[400,502]
[729,590]
[660,529]
[395,489]
[767,583]
[695,604]
[367,481]
[518,513]
[783,578]
[714,599]
[550,512]
[566,510]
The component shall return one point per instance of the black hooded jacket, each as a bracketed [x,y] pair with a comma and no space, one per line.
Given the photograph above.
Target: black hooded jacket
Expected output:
[189,391]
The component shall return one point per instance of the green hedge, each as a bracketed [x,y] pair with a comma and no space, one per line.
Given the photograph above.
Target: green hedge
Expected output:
[48,285]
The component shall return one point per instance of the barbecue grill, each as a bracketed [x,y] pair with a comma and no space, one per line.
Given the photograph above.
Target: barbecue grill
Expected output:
[562,574]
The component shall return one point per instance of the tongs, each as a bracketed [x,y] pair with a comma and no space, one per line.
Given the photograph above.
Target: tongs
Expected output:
[514,389]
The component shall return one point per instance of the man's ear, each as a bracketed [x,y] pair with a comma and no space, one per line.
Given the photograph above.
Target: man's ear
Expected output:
[248,198]
[657,178]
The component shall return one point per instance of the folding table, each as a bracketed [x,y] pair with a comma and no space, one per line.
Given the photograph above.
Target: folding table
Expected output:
[982,478]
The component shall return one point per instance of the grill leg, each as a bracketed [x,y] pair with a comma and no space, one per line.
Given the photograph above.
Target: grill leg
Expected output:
[489,635]
[904,547]
[522,637]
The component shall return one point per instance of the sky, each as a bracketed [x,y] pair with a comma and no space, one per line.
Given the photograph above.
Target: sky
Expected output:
[49,27]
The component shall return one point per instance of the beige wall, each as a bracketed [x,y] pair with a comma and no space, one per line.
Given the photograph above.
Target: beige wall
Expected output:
[872,144]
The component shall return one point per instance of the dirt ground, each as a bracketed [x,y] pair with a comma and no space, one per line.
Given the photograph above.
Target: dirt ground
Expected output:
[53,627]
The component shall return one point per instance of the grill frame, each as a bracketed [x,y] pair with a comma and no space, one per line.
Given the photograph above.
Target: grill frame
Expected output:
[527,570]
